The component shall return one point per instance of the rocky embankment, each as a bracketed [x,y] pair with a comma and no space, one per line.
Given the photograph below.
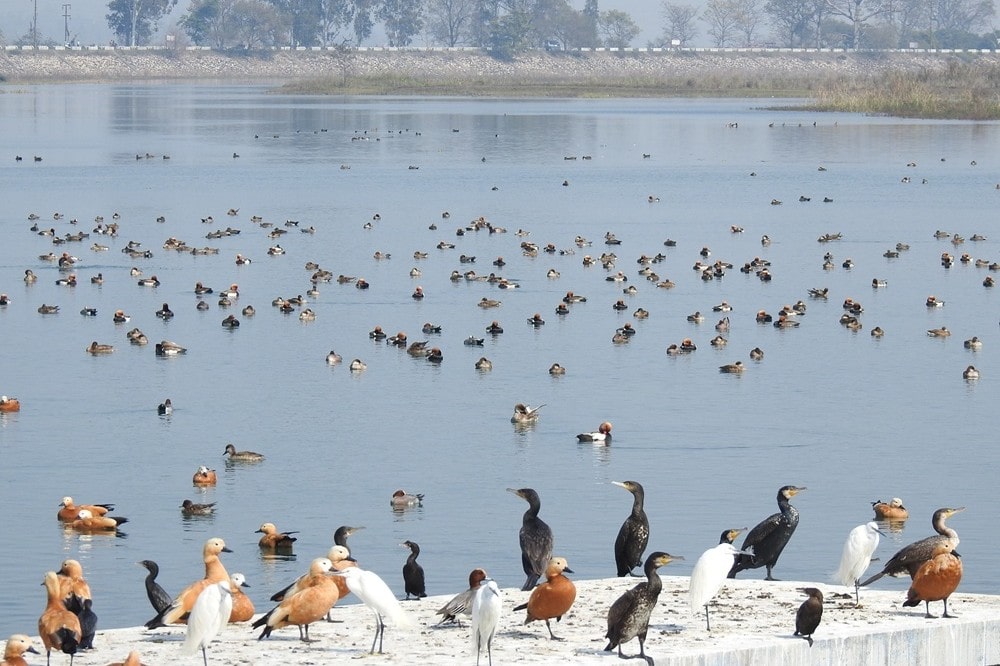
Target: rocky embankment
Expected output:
[638,68]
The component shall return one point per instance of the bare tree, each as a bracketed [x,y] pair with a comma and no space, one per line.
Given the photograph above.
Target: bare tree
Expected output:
[748,18]
[857,12]
[722,17]
[448,20]
[792,19]
[617,28]
[679,22]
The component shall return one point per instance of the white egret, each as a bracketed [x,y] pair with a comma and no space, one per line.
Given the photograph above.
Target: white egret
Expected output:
[858,549]
[710,572]
[208,616]
[375,594]
[486,608]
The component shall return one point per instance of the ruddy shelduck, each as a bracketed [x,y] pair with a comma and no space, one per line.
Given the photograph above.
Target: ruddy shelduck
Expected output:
[243,608]
[339,557]
[13,654]
[316,594]
[72,582]
[204,477]
[58,628]
[553,598]
[69,511]
[936,579]
[87,522]
[891,510]
[275,540]
[215,572]
[133,659]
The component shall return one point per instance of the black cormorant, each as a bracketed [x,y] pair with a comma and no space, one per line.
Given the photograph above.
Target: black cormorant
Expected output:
[413,573]
[628,617]
[770,536]
[535,537]
[634,533]
[340,536]
[909,558]
[158,597]
[809,614]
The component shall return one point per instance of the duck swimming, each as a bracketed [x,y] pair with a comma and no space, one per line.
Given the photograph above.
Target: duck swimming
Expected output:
[603,434]
[402,499]
[242,456]
[525,414]
[892,510]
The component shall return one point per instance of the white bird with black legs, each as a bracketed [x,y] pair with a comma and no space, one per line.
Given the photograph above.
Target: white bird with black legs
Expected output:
[710,572]
[486,608]
[375,594]
[858,549]
[208,616]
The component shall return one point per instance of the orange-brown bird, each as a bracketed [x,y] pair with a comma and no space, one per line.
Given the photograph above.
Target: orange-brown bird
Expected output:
[553,598]
[87,522]
[72,582]
[204,477]
[69,511]
[13,654]
[215,572]
[243,608]
[316,594]
[58,628]
[132,659]
[273,540]
[936,578]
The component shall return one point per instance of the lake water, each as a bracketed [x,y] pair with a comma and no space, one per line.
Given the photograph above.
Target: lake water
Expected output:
[852,417]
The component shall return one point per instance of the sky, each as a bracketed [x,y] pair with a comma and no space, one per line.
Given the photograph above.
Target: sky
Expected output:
[88,25]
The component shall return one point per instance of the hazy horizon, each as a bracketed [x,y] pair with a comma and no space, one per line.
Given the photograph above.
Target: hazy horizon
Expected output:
[87,22]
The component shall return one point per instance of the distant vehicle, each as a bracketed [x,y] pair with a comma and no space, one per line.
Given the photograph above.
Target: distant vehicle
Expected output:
[552,45]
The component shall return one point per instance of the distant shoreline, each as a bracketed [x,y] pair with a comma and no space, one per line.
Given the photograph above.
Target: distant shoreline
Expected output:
[605,74]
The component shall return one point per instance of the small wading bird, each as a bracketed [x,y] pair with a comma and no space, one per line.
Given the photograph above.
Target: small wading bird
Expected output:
[209,615]
[375,594]
[486,609]
[857,555]
[710,572]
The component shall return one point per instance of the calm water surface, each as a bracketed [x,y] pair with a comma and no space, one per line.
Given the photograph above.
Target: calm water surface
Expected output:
[853,418]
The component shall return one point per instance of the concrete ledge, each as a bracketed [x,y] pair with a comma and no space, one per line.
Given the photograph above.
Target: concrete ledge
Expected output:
[752,621]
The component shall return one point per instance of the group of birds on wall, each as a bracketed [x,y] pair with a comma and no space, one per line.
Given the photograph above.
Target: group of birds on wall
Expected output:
[68,623]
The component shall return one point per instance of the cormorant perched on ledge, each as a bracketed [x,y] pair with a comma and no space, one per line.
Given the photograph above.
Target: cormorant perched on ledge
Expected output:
[770,536]
[535,537]
[909,558]
[628,617]
[634,533]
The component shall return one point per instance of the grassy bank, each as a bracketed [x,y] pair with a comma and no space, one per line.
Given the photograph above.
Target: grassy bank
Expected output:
[944,89]
[926,85]
[961,92]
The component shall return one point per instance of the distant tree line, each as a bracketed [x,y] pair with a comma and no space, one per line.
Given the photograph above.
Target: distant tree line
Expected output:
[851,24]
[509,26]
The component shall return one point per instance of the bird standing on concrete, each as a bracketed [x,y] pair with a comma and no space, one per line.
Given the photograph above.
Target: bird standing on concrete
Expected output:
[486,609]
[809,614]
